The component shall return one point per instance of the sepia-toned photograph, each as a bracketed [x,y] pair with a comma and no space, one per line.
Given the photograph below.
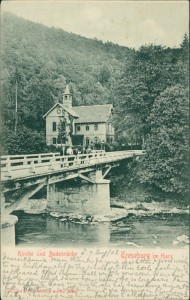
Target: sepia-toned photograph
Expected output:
[95,135]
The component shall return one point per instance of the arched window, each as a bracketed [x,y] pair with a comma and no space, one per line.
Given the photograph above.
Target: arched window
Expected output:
[54,126]
[54,141]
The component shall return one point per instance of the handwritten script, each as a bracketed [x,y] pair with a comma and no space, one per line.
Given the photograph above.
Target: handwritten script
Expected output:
[94,274]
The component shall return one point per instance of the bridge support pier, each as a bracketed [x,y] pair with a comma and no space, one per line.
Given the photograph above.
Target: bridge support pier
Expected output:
[87,195]
[7,226]
[8,230]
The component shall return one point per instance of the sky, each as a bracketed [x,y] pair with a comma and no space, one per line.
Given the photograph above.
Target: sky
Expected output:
[128,23]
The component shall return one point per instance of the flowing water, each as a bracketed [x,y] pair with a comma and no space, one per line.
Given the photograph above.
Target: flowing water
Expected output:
[154,224]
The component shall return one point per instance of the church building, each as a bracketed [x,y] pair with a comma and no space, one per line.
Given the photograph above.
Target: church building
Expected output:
[68,125]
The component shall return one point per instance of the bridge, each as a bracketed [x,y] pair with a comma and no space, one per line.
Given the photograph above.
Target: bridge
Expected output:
[75,183]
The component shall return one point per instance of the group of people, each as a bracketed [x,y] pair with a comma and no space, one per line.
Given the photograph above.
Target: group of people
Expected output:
[75,151]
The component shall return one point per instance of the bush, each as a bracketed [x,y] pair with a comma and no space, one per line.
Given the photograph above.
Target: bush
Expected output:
[24,141]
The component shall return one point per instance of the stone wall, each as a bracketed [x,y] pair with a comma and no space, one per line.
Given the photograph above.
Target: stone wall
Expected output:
[81,198]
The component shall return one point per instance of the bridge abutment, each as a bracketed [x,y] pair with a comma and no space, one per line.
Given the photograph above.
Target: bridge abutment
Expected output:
[7,226]
[87,195]
[8,230]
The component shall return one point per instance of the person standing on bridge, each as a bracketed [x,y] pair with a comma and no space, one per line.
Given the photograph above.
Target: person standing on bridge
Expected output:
[75,151]
[88,150]
[69,151]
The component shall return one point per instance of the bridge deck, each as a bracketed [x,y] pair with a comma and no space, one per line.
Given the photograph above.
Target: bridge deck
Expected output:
[26,166]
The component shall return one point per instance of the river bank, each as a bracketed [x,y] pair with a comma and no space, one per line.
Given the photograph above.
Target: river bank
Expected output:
[153,224]
[125,185]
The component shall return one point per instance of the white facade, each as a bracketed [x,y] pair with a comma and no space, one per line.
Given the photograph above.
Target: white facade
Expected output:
[87,125]
[95,132]
[59,122]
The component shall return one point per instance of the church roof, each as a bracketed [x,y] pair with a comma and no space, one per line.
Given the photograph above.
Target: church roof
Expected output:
[68,109]
[93,113]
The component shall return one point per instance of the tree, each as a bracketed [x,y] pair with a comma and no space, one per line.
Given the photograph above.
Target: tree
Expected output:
[104,73]
[62,133]
[185,48]
[23,141]
[165,165]
[147,74]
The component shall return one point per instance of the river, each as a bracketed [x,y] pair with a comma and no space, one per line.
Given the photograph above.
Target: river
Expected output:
[153,224]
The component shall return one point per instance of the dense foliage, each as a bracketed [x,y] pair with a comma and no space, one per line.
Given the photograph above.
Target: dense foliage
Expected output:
[24,140]
[166,163]
[150,71]
[153,111]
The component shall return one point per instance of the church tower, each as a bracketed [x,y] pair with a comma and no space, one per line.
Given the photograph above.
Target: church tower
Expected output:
[67,97]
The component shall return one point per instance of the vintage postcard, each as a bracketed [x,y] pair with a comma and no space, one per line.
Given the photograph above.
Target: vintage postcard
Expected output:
[94,150]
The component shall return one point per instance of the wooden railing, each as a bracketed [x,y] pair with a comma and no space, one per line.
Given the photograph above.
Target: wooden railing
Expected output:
[17,166]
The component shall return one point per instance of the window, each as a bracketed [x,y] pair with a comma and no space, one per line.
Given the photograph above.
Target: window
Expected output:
[87,141]
[65,97]
[54,141]
[78,127]
[54,126]
[87,127]
[95,126]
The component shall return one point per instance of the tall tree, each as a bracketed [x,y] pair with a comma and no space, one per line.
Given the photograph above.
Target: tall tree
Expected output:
[165,165]
[149,72]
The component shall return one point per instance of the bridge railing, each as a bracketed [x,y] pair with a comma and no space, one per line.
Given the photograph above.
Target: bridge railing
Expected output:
[20,162]
[14,160]
[23,165]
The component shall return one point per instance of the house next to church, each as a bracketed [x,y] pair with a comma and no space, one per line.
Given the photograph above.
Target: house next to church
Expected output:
[79,125]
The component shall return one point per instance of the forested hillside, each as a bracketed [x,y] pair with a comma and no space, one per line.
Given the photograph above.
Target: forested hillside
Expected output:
[148,87]
[37,61]
[42,59]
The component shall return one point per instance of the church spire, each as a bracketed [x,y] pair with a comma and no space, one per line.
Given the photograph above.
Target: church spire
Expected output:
[67,97]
